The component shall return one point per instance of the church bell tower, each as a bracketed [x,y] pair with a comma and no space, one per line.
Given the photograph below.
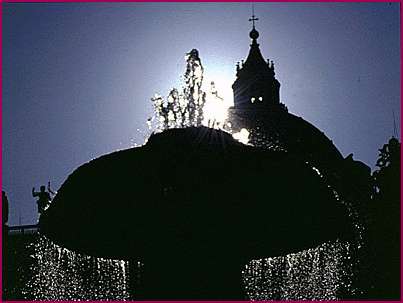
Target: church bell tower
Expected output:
[256,87]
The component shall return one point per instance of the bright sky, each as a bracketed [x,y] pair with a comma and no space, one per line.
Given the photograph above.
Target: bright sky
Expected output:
[78,77]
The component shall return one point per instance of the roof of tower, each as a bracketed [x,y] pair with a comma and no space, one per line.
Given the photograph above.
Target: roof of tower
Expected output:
[255,61]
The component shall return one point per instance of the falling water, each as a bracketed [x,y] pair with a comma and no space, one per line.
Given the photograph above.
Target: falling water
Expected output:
[321,273]
[183,107]
[190,105]
[326,272]
[60,274]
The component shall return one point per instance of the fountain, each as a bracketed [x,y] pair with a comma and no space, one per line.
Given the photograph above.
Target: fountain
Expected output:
[60,274]
[195,214]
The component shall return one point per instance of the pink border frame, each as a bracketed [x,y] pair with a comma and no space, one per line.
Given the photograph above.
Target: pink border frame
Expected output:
[44,1]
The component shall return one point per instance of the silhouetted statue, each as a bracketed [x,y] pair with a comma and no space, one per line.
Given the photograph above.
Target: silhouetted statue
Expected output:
[4,201]
[44,197]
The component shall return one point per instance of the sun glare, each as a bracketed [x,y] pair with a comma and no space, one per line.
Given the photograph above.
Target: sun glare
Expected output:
[215,110]
[242,136]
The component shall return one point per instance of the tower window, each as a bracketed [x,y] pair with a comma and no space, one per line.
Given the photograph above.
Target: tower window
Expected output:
[260,99]
[252,100]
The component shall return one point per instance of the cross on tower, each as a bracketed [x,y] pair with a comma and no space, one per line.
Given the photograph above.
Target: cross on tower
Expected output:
[253,19]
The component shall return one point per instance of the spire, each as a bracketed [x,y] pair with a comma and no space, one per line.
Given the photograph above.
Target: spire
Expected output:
[253,19]
[255,78]
[254,58]
[254,34]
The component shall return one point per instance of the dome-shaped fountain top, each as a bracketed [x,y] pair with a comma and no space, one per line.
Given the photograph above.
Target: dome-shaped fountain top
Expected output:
[193,188]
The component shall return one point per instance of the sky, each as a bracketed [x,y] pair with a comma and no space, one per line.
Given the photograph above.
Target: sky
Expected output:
[78,77]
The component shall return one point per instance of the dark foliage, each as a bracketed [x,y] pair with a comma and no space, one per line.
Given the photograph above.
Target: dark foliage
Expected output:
[384,227]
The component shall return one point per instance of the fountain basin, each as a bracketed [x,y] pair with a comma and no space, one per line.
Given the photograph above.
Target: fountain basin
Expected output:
[194,191]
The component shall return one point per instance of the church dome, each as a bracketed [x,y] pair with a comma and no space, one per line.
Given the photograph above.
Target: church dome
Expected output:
[258,108]
[280,130]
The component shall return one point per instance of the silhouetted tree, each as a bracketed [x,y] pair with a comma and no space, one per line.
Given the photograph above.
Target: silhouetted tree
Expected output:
[385,225]
[387,177]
